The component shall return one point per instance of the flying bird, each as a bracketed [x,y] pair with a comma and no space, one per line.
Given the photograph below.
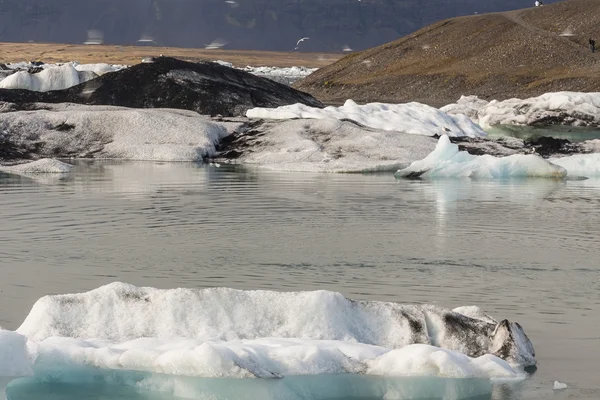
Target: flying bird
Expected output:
[301,40]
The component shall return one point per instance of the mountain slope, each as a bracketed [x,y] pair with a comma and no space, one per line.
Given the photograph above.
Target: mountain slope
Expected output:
[495,56]
[244,24]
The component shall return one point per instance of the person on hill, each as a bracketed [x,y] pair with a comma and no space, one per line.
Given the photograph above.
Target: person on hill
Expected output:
[592,43]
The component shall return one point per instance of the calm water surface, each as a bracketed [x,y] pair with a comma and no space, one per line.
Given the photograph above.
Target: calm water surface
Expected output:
[523,250]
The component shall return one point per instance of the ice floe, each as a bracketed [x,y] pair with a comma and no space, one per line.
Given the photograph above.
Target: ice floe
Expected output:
[565,108]
[286,75]
[413,118]
[68,130]
[327,145]
[446,161]
[180,340]
[43,166]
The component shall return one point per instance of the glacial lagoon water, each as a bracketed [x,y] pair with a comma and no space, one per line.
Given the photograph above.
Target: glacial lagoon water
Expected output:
[526,250]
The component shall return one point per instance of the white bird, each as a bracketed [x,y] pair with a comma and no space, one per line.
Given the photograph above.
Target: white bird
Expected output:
[301,40]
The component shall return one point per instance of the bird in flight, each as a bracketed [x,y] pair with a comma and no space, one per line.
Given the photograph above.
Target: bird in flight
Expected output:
[301,40]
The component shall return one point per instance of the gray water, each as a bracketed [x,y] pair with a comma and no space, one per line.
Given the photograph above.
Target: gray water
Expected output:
[524,250]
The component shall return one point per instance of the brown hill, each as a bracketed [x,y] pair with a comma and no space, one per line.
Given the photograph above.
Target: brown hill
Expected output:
[495,56]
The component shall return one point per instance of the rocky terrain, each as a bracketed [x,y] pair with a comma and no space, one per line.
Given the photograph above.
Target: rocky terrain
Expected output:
[207,88]
[520,54]
[250,24]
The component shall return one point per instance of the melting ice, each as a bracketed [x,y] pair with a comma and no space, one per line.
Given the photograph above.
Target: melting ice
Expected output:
[215,343]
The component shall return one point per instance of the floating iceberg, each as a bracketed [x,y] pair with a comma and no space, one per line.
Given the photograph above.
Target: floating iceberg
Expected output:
[446,161]
[559,385]
[189,342]
[580,165]
[327,145]
[287,75]
[68,130]
[43,166]
[564,108]
[414,118]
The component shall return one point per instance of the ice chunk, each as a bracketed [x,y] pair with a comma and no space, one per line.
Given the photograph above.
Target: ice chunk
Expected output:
[43,166]
[119,313]
[53,78]
[68,130]
[100,68]
[414,118]
[446,161]
[580,165]
[330,145]
[15,359]
[559,385]
[566,108]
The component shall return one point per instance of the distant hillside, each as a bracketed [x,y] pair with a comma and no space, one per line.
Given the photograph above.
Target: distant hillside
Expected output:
[243,24]
[495,56]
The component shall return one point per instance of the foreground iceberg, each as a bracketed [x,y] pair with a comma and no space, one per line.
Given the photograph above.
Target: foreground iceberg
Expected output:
[326,145]
[414,118]
[446,161]
[191,343]
[580,165]
[564,108]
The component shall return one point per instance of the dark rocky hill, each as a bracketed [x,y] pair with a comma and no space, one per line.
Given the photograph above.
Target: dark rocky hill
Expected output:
[207,88]
[520,53]
[244,24]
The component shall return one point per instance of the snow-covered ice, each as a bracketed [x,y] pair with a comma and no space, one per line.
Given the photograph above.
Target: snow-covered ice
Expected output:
[565,108]
[42,166]
[331,145]
[446,161]
[71,130]
[157,339]
[414,118]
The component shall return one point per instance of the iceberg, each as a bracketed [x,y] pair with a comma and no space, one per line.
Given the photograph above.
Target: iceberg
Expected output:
[580,165]
[413,118]
[43,166]
[564,108]
[68,130]
[326,145]
[54,78]
[446,161]
[191,343]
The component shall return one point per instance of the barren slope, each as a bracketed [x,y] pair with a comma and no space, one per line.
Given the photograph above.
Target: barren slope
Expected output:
[51,52]
[495,56]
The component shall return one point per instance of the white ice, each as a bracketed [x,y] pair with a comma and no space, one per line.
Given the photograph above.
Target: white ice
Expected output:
[115,132]
[580,165]
[42,166]
[283,74]
[446,161]
[566,108]
[330,145]
[15,356]
[414,118]
[226,333]
[559,385]
[55,77]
